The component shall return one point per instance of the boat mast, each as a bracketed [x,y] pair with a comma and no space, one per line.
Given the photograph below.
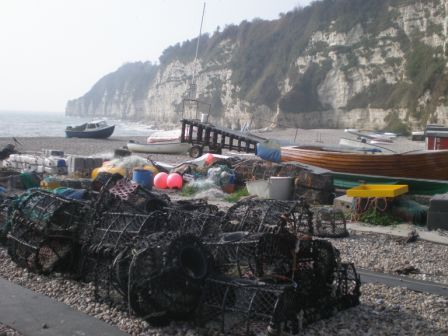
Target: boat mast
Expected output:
[193,80]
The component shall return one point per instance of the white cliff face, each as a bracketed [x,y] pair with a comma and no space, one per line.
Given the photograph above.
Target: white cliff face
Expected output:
[333,38]
[358,60]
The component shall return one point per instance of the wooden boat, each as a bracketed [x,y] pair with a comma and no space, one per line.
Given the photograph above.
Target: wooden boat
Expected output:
[94,129]
[416,164]
[159,147]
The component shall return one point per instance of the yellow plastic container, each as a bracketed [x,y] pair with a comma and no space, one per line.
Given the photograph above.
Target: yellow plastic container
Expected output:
[50,183]
[151,168]
[378,190]
[112,170]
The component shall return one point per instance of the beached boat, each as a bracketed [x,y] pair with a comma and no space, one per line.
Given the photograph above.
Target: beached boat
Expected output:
[164,136]
[416,164]
[159,147]
[95,129]
[416,186]
[372,136]
[362,146]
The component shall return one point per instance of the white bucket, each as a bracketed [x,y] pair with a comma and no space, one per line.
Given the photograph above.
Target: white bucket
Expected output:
[204,117]
[259,188]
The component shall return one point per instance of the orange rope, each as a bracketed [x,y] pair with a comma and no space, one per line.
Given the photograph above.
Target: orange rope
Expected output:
[370,203]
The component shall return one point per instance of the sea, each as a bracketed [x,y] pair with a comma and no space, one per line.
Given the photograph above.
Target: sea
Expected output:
[35,124]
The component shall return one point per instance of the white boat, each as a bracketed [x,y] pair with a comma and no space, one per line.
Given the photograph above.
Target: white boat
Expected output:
[164,136]
[159,147]
[362,146]
[383,137]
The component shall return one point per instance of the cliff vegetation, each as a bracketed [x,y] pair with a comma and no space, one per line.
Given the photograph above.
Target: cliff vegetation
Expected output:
[335,63]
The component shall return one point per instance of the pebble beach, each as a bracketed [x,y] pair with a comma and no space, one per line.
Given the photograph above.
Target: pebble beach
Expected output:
[105,147]
[383,310]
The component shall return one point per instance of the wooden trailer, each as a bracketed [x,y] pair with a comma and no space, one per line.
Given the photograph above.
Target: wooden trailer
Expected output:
[206,137]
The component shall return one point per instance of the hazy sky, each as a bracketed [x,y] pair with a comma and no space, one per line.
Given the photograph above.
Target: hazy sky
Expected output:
[55,50]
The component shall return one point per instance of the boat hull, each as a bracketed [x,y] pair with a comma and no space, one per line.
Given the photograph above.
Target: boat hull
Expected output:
[416,186]
[159,148]
[421,164]
[94,134]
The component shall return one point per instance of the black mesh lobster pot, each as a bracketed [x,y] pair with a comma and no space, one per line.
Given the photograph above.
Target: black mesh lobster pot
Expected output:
[266,256]
[269,216]
[165,276]
[246,307]
[126,195]
[330,222]
[44,232]
[109,243]
[117,229]
[5,224]
[137,258]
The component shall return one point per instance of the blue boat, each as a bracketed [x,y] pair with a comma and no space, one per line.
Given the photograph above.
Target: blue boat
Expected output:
[94,129]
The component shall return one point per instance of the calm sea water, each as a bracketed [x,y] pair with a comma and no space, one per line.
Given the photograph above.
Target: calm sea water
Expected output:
[32,124]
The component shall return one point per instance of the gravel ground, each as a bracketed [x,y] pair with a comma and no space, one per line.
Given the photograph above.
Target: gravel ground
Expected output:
[100,146]
[383,310]
[383,253]
[7,331]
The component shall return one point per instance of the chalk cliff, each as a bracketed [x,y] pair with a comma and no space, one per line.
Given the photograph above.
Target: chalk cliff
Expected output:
[336,63]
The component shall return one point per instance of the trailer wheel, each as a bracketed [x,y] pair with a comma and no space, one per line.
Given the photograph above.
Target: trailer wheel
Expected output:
[195,152]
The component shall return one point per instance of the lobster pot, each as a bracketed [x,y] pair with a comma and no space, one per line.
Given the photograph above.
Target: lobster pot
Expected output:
[248,170]
[165,276]
[201,224]
[109,242]
[117,229]
[51,213]
[44,232]
[4,221]
[37,251]
[244,307]
[330,222]
[126,195]
[268,216]
[264,255]
[195,206]
[346,285]
[156,275]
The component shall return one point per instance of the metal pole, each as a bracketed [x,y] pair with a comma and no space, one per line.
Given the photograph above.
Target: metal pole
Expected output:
[197,45]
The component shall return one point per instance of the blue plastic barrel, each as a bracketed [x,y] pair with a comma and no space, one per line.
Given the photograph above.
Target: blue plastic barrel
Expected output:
[143,177]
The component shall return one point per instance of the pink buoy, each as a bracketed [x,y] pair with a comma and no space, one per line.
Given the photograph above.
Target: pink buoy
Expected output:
[160,180]
[209,158]
[174,181]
